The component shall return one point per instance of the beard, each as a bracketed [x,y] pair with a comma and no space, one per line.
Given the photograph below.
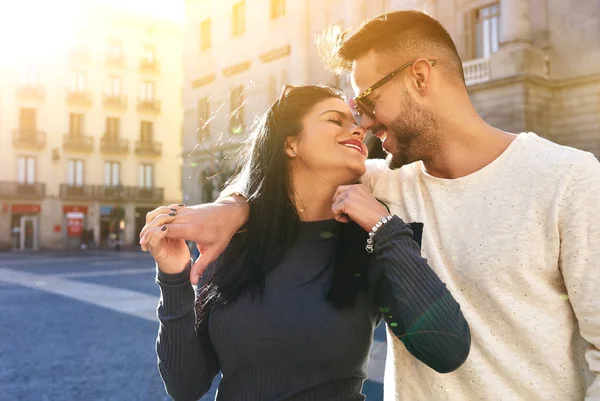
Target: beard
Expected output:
[414,134]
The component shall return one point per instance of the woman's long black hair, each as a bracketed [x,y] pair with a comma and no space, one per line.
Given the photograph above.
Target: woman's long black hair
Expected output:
[273,222]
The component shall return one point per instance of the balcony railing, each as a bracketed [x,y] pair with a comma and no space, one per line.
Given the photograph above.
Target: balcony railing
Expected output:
[29,139]
[117,193]
[112,144]
[116,61]
[103,193]
[115,102]
[78,192]
[477,71]
[129,194]
[16,190]
[78,143]
[31,93]
[148,148]
[79,98]
[149,66]
[150,106]
[153,195]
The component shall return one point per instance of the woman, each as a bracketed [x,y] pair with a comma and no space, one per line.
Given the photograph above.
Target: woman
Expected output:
[287,312]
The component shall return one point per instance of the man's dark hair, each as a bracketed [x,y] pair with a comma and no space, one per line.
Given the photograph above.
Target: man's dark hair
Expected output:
[408,35]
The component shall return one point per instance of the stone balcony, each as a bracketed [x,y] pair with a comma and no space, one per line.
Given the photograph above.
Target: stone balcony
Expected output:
[115,62]
[115,102]
[22,191]
[477,71]
[150,195]
[123,194]
[148,148]
[148,106]
[78,143]
[69,192]
[31,93]
[79,98]
[28,139]
[149,67]
[112,144]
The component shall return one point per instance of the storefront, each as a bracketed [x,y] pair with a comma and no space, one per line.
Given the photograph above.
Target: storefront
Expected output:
[24,226]
[112,226]
[75,222]
[140,218]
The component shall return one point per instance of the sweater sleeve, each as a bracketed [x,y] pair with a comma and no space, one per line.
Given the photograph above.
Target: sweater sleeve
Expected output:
[415,303]
[579,229]
[186,360]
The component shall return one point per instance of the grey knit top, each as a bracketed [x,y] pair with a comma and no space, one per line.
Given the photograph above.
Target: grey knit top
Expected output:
[292,344]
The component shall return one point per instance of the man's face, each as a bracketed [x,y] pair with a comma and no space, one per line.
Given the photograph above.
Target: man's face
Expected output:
[404,126]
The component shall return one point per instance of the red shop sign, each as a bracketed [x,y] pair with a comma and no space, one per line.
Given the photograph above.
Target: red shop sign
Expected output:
[74,224]
[25,209]
[75,208]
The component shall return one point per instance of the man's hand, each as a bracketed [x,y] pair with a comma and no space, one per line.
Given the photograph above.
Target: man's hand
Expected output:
[356,203]
[211,226]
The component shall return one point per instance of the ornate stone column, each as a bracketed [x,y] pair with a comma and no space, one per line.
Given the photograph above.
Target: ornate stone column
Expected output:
[516,55]
[515,26]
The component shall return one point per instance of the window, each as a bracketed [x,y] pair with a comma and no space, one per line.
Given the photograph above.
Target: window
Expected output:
[114,86]
[75,173]
[147,91]
[75,124]
[236,125]
[487,29]
[27,121]
[149,55]
[146,176]
[203,117]
[205,38]
[115,49]
[112,174]
[26,170]
[78,82]
[146,131]
[239,18]
[277,8]
[113,126]
[29,77]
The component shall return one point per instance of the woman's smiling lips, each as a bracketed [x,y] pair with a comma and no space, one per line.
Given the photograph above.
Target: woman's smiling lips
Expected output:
[355,144]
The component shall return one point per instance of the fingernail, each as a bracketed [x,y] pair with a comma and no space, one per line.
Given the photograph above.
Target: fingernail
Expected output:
[173,209]
[172,214]
[163,228]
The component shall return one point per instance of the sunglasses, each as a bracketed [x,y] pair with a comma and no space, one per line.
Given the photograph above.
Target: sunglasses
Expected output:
[365,106]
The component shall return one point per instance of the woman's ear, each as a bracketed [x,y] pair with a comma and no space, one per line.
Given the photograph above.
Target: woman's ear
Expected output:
[290,147]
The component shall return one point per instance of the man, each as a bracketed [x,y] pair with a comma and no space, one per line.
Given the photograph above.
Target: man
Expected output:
[511,222]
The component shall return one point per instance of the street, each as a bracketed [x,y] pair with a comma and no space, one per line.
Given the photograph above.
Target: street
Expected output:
[83,326]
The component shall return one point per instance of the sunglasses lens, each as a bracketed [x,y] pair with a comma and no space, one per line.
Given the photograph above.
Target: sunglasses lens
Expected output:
[364,106]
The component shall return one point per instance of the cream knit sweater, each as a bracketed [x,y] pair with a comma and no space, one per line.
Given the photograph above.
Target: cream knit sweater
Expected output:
[518,245]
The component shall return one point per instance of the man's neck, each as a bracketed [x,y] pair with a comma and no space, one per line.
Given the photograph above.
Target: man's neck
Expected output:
[463,152]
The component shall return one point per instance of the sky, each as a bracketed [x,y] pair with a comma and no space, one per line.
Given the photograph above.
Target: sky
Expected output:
[39,27]
[173,10]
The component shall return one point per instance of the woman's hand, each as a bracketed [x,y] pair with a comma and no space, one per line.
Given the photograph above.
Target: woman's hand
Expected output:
[171,254]
[356,203]
[211,226]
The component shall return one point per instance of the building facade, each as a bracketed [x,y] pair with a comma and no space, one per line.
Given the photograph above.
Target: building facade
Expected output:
[90,137]
[530,65]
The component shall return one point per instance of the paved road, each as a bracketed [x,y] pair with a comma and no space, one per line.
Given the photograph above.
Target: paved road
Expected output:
[82,327]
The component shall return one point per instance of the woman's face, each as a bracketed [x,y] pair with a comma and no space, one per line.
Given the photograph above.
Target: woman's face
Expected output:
[330,144]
